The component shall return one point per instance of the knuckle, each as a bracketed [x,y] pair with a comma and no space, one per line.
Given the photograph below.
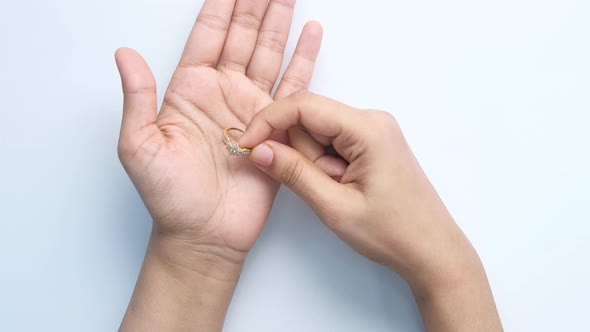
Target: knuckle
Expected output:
[272,41]
[383,123]
[297,83]
[246,20]
[213,22]
[264,83]
[292,173]
[384,118]
[226,65]
[299,95]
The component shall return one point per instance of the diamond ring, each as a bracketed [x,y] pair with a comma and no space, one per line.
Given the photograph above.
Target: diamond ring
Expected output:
[233,147]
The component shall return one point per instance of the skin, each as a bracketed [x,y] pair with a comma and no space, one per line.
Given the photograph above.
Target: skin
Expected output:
[383,205]
[209,208]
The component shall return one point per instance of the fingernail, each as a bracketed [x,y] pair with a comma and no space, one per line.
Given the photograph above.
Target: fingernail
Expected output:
[262,155]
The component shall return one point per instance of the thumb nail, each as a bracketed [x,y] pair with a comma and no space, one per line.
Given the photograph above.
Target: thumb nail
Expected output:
[262,155]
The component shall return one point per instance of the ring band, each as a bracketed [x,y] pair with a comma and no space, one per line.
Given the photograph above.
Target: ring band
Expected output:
[233,147]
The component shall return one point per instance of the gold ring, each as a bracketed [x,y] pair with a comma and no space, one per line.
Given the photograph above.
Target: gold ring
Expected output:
[233,147]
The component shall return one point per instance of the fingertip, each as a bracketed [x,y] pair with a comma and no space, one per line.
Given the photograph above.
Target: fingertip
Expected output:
[139,89]
[252,134]
[246,140]
[334,167]
[120,51]
[310,40]
[119,54]
[314,28]
[134,70]
[262,155]
[123,53]
[126,54]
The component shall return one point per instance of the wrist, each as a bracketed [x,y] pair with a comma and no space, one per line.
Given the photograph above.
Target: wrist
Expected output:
[196,258]
[183,286]
[454,274]
[449,266]
[457,299]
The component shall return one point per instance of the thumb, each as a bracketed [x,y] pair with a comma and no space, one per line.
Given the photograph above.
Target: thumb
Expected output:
[139,89]
[301,175]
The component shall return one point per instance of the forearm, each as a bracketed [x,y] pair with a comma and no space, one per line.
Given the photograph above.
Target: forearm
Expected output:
[181,288]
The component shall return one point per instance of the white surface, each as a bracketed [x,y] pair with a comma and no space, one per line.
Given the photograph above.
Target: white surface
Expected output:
[493,96]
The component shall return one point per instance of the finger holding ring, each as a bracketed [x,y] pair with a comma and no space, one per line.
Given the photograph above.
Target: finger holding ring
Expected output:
[233,147]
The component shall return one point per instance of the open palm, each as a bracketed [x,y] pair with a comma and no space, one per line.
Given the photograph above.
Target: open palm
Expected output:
[190,184]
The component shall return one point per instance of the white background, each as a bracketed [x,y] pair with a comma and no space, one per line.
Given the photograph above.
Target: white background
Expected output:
[494,97]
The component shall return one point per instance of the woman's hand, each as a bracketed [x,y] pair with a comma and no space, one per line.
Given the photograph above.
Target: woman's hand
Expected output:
[208,207]
[383,205]
[194,190]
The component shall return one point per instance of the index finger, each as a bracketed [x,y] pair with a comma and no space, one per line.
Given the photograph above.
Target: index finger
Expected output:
[318,114]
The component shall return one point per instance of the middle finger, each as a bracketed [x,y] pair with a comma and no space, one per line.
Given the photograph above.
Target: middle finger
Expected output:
[243,33]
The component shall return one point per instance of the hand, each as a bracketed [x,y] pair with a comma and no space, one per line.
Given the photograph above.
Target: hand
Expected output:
[383,206]
[193,189]
[208,208]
